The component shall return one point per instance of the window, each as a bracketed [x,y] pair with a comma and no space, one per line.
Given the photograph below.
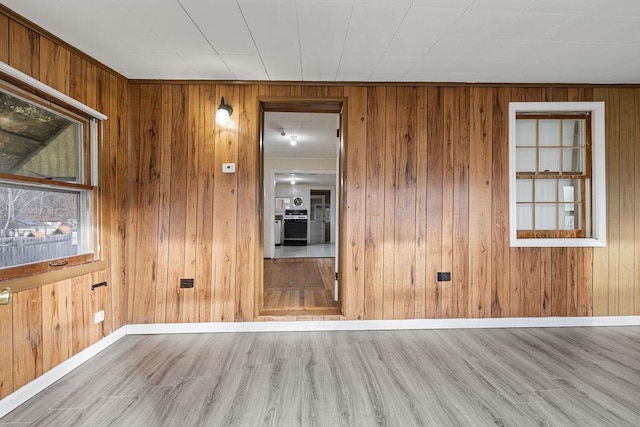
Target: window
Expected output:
[556,174]
[48,184]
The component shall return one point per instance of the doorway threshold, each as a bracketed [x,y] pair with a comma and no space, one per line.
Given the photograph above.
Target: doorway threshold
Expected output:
[311,312]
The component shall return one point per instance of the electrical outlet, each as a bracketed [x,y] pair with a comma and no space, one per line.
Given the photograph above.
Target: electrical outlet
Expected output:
[98,317]
[444,276]
[186,283]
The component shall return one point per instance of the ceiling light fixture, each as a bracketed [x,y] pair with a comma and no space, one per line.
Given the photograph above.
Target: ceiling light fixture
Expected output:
[293,182]
[293,140]
[223,115]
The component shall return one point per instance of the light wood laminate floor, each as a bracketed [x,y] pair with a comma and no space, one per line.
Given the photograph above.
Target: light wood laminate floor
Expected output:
[523,377]
[301,285]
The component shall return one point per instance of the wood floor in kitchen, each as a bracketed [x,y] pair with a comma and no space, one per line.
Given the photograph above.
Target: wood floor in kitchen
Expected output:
[299,285]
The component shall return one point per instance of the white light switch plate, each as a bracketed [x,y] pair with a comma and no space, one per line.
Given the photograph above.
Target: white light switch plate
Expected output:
[228,167]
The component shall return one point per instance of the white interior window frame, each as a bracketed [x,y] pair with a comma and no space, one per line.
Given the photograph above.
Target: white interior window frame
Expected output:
[598,174]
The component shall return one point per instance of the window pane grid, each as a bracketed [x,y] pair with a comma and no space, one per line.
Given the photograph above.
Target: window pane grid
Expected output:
[550,176]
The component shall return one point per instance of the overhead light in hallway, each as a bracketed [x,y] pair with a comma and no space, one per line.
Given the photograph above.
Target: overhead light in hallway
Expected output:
[293,140]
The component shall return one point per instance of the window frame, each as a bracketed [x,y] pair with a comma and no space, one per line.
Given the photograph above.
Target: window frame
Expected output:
[25,87]
[598,174]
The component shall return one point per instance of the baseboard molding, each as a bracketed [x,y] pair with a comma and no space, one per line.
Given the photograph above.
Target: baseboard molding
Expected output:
[26,392]
[34,387]
[381,325]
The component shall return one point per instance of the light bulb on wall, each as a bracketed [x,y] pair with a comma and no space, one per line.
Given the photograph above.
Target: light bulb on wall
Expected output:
[223,114]
[293,182]
[293,140]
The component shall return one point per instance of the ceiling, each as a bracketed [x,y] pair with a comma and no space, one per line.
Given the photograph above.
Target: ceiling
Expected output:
[520,41]
[315,136]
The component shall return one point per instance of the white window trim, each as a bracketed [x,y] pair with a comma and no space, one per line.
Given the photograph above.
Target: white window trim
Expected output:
[598,176]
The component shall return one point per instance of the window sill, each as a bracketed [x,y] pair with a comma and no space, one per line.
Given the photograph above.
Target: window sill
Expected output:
[558,243]
[19,284]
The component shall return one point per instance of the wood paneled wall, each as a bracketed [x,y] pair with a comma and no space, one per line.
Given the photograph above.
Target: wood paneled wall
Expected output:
[426,191]
[45,326]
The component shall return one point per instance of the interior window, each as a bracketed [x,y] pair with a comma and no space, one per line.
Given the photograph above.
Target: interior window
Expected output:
[552,171]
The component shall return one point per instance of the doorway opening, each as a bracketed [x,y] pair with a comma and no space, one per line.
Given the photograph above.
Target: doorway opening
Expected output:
[301,145]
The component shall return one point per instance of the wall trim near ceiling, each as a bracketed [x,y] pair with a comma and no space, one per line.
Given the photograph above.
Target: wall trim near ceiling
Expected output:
[10,73]
[29,390]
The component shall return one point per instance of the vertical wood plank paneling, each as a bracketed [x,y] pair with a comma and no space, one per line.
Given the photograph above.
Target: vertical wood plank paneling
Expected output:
[248,193]
[354,203]
[434,192]
[559,284]
[205,197]
[422,170]
[515,254]
[6,348]
[500,262]
[121,184]
[405,232]
[480,202]
[531,279]
[164,205]
[4,39]
[613,199]
[375,205]
[194,128]
[389,202]
[55,63]
[460,272]
[146,203]
[27,336]
[82,316]
[636,186]
[573,283]
[450,98]
[57,343]
[627,255]
[24,49]
[178,210]
[225,208]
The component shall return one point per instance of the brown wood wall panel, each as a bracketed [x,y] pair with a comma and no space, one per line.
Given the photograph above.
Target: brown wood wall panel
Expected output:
[6,350]
[45,326]
[426,191]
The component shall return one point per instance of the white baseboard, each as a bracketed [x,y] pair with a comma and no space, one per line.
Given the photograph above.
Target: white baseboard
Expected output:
[34,387]
[26,392]
[380,325]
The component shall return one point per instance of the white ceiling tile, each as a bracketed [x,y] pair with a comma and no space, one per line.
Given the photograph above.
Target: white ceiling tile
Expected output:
[602,29]
[420,29]
[626,8]
[323,29]
[209,66]
[421,76]
[452,4]
[160,15]
[357,67]
[320,67]
[501,5]
[568,41]
[246,67]
[223,25]
[372,28]
[386,76]
[432,64]
[396,64]
[282,66]
[273,25]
